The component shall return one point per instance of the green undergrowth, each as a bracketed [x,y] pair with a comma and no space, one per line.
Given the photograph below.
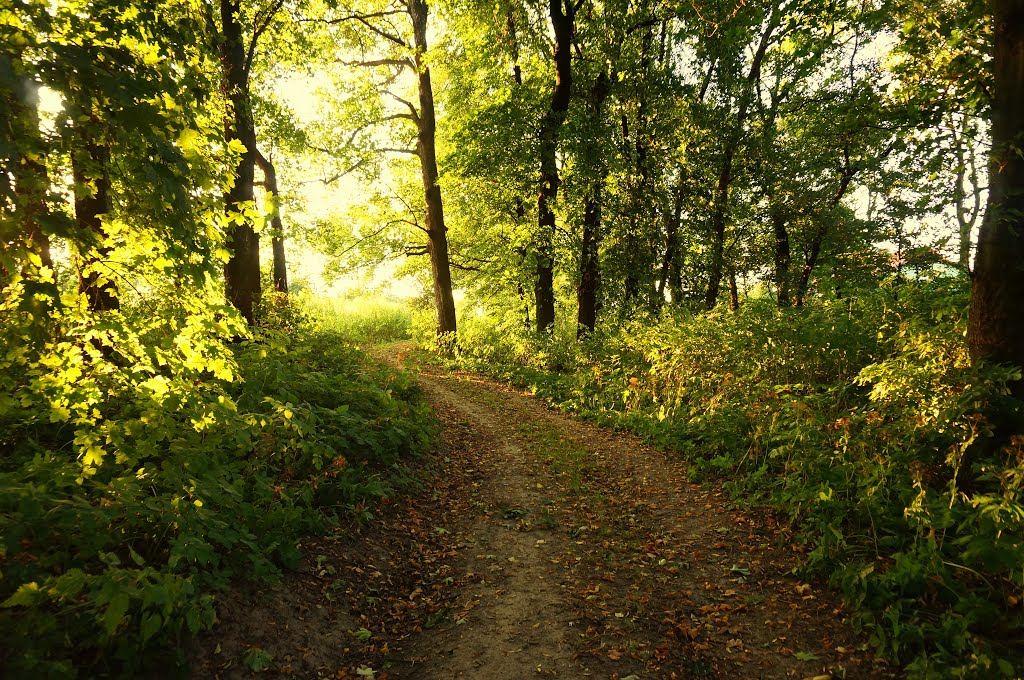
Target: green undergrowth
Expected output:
[145,466]
[862,421]
[363,318]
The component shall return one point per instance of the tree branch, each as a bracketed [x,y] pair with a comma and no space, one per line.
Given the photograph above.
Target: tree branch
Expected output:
[412,109]
[259,27]
[404,63]
[390,149]
[331,180]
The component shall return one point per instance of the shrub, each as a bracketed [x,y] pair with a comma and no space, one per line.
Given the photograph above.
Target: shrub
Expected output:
[863,421]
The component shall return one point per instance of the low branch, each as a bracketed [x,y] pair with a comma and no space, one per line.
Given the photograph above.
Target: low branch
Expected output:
[408,104]
[404,63]
[382,33]
[259,27]
[411,152]
[463,267]
[330,180]
[364,239]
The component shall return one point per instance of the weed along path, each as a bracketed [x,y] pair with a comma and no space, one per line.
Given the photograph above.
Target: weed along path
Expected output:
[541,547]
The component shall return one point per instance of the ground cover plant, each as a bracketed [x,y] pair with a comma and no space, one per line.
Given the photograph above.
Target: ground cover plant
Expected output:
[862,421]
[138,479]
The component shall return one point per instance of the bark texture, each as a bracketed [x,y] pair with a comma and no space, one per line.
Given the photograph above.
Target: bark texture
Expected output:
[563,22]
[426,126]
[90,167]
[996,326]
[276,226]
[242,284]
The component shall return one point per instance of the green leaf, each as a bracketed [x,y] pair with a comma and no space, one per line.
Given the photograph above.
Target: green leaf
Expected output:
[805,656]
[114,616]
[27,595]
[151,624]
[258,660]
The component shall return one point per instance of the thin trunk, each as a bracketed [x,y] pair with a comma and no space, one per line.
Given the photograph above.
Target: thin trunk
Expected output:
[520,209]
[782,256]
[276,226]
[563,23]
[720,214]
[966,215]
[996,326]
[672,225]
[590,267]
[590,271]
[734,293]
[510,27]
[242,284]
[821,231]
[30,176]
[90,167]
[426,125]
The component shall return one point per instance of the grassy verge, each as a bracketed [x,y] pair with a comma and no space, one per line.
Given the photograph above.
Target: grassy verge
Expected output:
[363,319]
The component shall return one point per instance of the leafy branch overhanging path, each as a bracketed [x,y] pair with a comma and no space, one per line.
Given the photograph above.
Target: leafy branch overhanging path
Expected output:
[543,547]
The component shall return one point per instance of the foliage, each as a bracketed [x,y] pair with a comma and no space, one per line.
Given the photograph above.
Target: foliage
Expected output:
[862,420]
[361,319]
[140,474]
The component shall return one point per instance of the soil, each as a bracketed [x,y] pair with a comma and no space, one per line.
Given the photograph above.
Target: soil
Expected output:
[540,546]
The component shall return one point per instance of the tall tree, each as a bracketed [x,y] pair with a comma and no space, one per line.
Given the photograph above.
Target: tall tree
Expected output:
[391,38]
[242,271]
[996,326]
[563,23]
[426,150]
[90,163]
[280,272]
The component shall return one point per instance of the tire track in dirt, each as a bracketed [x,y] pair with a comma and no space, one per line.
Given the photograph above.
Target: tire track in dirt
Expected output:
[516,622]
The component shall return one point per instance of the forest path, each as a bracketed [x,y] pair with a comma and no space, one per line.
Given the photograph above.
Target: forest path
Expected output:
[544,547]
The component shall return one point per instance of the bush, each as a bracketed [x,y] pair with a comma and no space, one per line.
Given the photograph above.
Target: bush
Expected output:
[863,421]
[145,464]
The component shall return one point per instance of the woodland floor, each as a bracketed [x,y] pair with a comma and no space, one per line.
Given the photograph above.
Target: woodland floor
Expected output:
[540,546]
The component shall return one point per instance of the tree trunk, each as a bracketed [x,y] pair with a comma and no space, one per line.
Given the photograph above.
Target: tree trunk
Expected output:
[90,167]
[996,325]
[846,174]
[966,214]
[590,270]
[590,266]
[426,125]
[671,237]
[520,209]
[276,226]
[810,261]
[734,291]
[720,214]
[782,256]
[563,23]
[30,176]
[242,284]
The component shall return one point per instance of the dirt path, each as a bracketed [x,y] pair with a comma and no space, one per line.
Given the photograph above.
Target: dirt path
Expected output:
[542,547]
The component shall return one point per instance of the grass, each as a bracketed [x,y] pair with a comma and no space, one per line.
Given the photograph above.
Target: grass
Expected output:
[364,319]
